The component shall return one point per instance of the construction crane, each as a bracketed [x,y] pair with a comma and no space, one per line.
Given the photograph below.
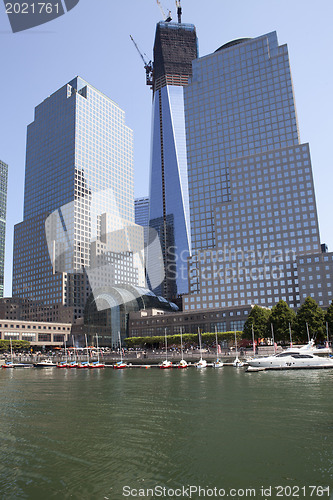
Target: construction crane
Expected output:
[147,65]
[167,18]
[179,11]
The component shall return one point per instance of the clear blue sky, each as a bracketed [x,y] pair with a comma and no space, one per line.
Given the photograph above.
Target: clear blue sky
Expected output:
[93,41]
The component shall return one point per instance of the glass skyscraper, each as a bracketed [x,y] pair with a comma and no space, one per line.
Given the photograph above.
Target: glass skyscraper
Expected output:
[78,190]
[3,211]
[252,200]
[174,49]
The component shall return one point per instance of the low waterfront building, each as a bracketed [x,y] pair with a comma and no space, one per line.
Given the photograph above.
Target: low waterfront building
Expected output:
[151,322]
[41,334]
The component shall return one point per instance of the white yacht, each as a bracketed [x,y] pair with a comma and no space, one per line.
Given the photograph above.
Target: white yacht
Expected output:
[292,358]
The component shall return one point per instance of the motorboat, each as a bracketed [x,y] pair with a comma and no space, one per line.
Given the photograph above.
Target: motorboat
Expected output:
[10,364]
[292,358]
[47,363]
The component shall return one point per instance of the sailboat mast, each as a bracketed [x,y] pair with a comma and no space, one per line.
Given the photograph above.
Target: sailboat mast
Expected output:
[236,344]
[272,329]
[291,340]
[121,354]
[97,348]
[199,335]
[217,349]
[87,347]
[181,342]
[307,329]
[11,350]
[166,345]
[253,342]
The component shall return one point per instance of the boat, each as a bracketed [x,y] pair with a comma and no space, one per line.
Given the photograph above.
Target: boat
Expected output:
[97,364]
[11,364]
[121,365]
[237,362]
[182,363]
[166,363]
[85,364]
[47,363]
[62,364]
[202,363]
[217,363]
[292,358]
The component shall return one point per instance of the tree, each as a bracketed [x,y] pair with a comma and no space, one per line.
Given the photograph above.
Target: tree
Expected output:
[281,317]
[329,318]
[312,315]
[259,318]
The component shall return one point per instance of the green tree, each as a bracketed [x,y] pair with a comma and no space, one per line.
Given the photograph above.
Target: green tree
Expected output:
[312,315]
[281,316]
[329,318]
[259,318]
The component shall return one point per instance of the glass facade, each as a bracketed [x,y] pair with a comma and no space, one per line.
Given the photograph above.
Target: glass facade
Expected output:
[79,175]
[3,211]
[252,199]
[175,48]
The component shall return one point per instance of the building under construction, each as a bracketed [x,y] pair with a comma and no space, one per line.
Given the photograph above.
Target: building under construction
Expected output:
[174,50]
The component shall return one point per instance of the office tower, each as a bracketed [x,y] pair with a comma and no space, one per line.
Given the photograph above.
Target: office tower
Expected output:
[141,210]
[78,190]
[3,210]
[174,49]
[252,200]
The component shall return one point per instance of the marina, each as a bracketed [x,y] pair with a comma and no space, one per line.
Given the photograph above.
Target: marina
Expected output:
[88,433]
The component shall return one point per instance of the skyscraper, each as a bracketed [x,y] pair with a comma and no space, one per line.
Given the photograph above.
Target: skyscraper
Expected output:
[3,211]
[78,189]
[252,200]
[174,49]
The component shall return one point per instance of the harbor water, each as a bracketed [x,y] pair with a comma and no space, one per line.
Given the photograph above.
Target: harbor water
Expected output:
[108,434]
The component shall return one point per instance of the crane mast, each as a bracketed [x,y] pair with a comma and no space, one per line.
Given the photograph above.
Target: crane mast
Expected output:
[167,18]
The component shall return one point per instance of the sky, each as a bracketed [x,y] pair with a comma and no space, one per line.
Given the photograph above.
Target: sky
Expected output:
[93,41]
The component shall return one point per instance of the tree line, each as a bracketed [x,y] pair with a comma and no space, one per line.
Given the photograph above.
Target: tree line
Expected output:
[282,319]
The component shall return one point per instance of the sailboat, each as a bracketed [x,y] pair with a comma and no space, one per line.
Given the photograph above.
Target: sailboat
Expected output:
[97,364]
[237,361]
[166,363]
[85,364]
[11,364]
[73,364]
[64,364]
[182,363]
[217,363]
[202,363]
[121,364]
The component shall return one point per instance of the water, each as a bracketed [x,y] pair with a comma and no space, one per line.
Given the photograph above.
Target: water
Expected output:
[76,434]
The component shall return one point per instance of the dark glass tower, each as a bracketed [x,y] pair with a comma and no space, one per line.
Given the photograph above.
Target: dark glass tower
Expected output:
[174,50]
